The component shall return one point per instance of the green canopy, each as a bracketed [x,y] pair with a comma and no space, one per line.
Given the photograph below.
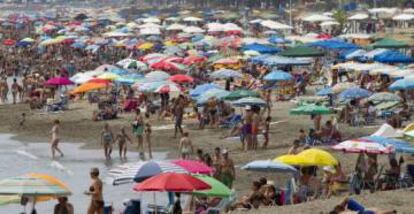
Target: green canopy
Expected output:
[238,94]
[310,109]
[389,43]
[302,51]
[218,189]
[9,199]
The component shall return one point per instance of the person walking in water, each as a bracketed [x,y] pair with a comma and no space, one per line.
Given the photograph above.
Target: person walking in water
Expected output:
[55,139]
[95,191]
[107,139]
[122,139]
[148,131]
[186,148]
[138,130]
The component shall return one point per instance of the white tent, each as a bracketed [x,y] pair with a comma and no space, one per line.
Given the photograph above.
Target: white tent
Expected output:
[151,20]
[317,18]
[387,131]
[192,29]
[192,19]
[176,27]
[275,25]
[328,23]
[358,16]
[403,17]
[150,31]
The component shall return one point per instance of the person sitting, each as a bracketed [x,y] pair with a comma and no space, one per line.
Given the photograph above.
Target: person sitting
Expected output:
[391,176]
[330,134]
[252,200]
[338,181]
[295,149]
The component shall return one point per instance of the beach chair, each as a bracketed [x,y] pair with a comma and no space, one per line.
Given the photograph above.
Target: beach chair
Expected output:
[223,205]
[230,123]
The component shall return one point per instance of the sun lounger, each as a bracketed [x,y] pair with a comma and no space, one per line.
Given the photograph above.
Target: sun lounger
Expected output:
[230,123]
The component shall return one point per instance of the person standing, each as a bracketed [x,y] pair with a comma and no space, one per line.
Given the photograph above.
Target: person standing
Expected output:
[186,148]
[16,90]
[178,114]
[138,130]
[107,139]
[55,139]
[95,191]
[63,206]
[227,170]
[216,162]
[122,139]
[148,132]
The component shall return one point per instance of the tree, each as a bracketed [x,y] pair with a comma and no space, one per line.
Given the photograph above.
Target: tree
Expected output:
[341,17]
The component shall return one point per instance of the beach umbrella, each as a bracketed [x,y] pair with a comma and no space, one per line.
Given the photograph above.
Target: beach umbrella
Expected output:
[302,51]
[226,73]
[142,170]
[340,87]
[9,199]
[168,87]
[384,97]
[354,93]
[59,81]
[250,101]
[200,89]
[194,60]
[268,166]
[157,75]
[194,166]
[9,42]
[181,78]
[218,189]
[309,157]
[402,84]
[278,76]
[145,85]
[362,146]
[108,76]
[397,145]
[167,66]
[125,80]
[89,86]
[242,93]
[172,182]
[325,92]
[310,110]
[212,93]
[145,46]
[32,186]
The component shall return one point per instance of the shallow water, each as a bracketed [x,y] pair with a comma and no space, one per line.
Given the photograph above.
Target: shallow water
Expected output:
[19,158]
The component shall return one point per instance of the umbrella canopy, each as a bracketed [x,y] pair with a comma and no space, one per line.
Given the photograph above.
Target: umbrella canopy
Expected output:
[309,157]
[157,75]
[250,101]
[200,89]
[168,87]
[310,110]
[402,84]
[389,43]
[172,182]
[354,93]
[193,166]
[181,78]
[89,86]
[302,51]
[269,166]
[400,146]
[362,146]
[242,93]
[58,81]
[109,76]
[340,87]
[214,92]
[31,186]
[218,189]
[278,76]
[142,170]
[325,92]
[263,49]
[226,73]
[384,97]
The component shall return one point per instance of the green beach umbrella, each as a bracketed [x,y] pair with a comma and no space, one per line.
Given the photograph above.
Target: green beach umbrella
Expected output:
[302,51]
[238,94]
[9,199]
[31,186]
[218,189]
[310,109]
[389,43]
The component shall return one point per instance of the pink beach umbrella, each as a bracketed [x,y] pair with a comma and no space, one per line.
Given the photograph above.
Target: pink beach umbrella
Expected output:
[59,81]
[193,166]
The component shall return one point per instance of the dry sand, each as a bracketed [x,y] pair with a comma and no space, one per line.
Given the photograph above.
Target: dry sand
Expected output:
[77,126]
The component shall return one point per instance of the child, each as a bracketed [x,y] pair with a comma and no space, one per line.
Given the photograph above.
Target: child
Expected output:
[122,138]
[266,131]
[22,121]
[186,146]
[148,131]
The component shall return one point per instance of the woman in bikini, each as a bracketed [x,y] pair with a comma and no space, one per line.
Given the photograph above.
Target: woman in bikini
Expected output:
[122,138]
[138,130]
[55,139]
[95,191]
[107,139]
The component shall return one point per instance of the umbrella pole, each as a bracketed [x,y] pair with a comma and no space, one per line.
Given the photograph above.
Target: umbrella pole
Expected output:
[155,202]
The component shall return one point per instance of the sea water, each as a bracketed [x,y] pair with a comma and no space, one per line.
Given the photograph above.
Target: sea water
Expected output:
[19,158]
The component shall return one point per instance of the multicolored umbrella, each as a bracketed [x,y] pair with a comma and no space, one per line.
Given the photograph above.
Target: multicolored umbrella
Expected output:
[340,87]
[250,101]
[31,186]
[398,145]
[89,86]
[242,93]
[172,182]
[193,166]
[384,97]
[168,87]
[212,93]
[181,78]
[362,146]
[218,189]
[109,76]
[200,89]
[269,166]
[157,75]
[310,110]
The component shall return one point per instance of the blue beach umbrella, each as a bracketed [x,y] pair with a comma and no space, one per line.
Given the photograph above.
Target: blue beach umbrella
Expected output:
[354,93]
[214,92]
[226,73]
[200,89]
[400,146]
[278,76]
[250,101]
[402,84]
[268,166]
[325,92]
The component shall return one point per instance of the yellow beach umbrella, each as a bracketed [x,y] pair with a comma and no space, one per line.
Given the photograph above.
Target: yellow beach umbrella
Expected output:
[309,157]
[89,86]
[109,76]
[170,43]
[145,46]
